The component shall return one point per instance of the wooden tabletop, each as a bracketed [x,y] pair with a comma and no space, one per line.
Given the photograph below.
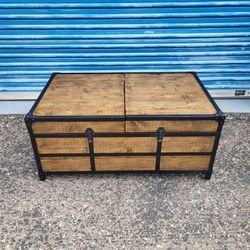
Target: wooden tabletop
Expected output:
[83,95]
[105,94]
[159,94]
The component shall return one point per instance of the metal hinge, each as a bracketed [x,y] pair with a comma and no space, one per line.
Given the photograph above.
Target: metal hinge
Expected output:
[90,137]
[160,135]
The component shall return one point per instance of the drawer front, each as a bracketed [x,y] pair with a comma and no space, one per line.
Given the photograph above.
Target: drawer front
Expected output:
[172,126]
[65,164]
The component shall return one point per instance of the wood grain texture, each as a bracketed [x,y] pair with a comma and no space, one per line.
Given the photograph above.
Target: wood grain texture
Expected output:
[184,162]
[148,144]
[124,144]
[125,163]
[62,145]
[172,126]
[118,126]
[83,95]
[64,164]
[137,163]
[188,144]
[145,94]
[163,94]
[77,127]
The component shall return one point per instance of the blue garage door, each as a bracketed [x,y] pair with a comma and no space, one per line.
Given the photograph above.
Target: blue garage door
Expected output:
[40,37]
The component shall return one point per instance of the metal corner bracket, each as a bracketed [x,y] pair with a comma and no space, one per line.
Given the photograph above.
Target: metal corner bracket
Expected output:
[30,118]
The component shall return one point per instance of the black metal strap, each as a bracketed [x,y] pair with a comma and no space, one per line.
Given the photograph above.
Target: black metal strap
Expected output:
[90,136]
[159,134]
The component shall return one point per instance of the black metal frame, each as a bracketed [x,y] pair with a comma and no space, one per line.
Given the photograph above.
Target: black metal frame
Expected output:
[90,134]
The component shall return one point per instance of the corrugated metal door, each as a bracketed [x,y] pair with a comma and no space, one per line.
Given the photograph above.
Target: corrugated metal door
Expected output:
[39,37]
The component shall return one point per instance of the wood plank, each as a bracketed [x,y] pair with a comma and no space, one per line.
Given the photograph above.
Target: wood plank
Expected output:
[188,144]
[135,163]
[172,126]
[65,164]
[124,144]
[77,127]
[184,162]
[83,95]
[125,163]
[148,144]
[62,145]
[118,126]
[165,94]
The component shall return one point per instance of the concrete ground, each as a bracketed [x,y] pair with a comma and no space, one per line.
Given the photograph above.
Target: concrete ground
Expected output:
[131,211]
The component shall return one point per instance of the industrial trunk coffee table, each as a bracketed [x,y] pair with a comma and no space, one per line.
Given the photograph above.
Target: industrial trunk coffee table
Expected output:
[124,122]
